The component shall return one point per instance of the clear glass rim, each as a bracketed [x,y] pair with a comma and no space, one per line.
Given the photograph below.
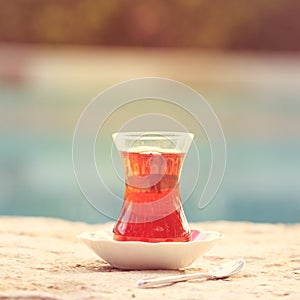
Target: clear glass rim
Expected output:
[148,135]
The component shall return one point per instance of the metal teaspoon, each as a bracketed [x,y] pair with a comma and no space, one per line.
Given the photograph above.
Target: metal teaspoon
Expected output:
[222,271]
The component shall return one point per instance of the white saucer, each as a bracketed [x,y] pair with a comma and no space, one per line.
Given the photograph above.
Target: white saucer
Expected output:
[143,255]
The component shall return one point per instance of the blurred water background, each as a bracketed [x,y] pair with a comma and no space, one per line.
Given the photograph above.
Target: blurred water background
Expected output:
[49,74]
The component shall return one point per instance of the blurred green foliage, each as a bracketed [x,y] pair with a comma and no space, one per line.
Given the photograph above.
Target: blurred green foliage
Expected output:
[218,24]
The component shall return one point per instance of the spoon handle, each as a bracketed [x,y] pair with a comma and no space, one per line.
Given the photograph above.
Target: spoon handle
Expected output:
[171,279]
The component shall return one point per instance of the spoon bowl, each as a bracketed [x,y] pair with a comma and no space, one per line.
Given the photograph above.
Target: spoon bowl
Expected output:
[227,269]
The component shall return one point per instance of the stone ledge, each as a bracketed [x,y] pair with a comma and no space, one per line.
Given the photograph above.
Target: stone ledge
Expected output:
[41,258]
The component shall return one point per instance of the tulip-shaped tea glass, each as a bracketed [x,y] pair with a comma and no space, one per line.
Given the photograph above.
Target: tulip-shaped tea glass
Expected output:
[152,209]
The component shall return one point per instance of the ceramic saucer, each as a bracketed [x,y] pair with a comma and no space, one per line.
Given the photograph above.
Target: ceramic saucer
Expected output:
[143,255]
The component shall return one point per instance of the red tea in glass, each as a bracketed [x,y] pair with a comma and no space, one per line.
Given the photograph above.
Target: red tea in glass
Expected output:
[152,210]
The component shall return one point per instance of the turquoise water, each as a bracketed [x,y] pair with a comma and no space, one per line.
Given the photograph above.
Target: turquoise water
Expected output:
[37,179]
[261,182]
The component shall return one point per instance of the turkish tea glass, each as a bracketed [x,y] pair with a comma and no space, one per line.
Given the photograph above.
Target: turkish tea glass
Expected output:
[152,209]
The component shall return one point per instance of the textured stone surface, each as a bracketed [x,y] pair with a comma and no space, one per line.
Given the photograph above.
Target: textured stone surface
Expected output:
[42,259]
